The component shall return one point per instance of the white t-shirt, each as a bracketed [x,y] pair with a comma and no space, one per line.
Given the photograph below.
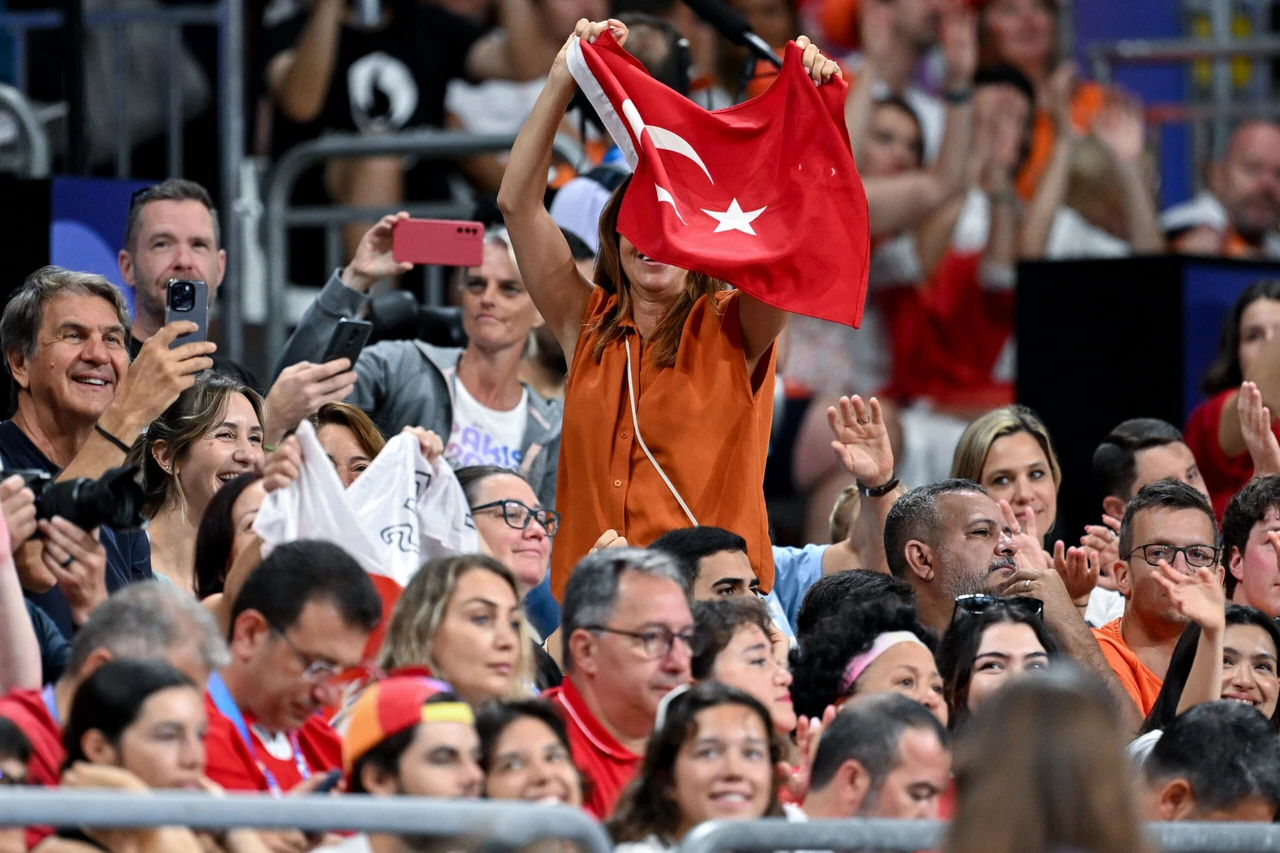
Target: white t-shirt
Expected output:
[354,844]
[484,436]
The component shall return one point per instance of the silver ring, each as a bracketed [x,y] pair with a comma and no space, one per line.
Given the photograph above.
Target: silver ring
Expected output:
[1018,532]
[1113,533]
[67,562]
[1026,586]
[864,422]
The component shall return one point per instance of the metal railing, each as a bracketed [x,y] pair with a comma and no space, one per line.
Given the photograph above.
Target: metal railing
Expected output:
[907,836]
[34,159]
[507,824]
[278,216]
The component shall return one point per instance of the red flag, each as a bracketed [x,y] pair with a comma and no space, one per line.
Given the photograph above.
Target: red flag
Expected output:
[763,195]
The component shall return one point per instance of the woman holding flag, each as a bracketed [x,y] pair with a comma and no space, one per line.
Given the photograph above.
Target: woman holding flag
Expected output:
[670,390]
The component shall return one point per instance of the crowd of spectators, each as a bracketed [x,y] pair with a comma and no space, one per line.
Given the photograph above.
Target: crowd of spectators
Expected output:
[620,439]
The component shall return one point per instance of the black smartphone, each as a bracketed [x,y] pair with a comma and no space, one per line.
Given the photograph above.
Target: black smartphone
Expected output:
[347,340]
[331,780]
[188,300]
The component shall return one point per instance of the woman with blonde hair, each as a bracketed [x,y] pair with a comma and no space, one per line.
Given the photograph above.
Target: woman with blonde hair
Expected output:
[460,618]
[211,434]
[1045,754]
[1010,453]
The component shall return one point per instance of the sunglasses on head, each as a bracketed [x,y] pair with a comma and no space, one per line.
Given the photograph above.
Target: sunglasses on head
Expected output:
[974,605]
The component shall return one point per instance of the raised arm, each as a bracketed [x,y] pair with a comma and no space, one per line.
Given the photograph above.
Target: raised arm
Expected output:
[1053,184]
[877,28]
[19,648]
[1202,600]
[299,79]
[558,290]
[1119,128]
[901,201]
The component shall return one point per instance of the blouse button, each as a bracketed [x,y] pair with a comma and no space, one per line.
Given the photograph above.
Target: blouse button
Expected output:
[617,483]
[625,434]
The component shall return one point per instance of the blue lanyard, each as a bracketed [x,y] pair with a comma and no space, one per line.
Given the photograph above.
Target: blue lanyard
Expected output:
[227,706]
[51,703]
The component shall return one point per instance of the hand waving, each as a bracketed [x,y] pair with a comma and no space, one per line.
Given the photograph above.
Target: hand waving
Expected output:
[1079,569]
[1119,126]
[959,39]
[861,439]
[1255,425]
[1199,596]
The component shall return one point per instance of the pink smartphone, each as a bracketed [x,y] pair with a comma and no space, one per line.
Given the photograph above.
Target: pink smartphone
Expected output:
[441,242]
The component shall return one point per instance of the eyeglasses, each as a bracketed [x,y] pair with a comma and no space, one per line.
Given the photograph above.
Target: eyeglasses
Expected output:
[655,643]
[1197,556]
[518,516]
[975,605]
[315,671]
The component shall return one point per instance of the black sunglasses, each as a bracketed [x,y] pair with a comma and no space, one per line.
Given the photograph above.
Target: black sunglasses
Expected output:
[975,605]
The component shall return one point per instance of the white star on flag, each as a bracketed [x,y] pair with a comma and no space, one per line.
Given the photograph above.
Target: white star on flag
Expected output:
[734,219]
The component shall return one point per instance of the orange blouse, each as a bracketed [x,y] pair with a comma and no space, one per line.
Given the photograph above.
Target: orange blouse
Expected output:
[701,420]
[1086,103]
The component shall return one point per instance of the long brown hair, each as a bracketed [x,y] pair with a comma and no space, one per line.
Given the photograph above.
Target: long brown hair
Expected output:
[610,277]
[1046,754]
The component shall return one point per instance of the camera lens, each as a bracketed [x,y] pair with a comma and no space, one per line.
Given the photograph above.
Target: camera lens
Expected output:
[184,296]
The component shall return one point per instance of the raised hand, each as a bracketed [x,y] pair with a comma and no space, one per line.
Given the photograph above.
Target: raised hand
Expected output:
[876,29]
[1105,540]
[373,260]
[1199,595]
[1062,86]
[158,375]
[1120,127]
[429,444]
[819,68]
[959,40]
[1255,426]
[1031,553]
[1079,570]
[283,466]
[301,389]
[861,439]
[794,779]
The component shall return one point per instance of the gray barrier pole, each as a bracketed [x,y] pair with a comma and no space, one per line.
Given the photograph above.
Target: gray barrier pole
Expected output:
[510,823]
[904,836]
[231,130]
[38,160]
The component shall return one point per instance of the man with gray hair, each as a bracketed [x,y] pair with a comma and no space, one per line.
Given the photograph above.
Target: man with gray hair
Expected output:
[628,640]
[147,621]
[65,336]
[883,756]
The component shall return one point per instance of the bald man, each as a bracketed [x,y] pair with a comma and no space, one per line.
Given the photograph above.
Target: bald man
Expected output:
[1238,215]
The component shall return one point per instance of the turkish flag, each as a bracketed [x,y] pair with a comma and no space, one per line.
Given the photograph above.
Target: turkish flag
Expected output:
[763,195]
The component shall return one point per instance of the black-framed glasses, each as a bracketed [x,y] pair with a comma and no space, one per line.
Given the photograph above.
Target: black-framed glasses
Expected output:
[315,671]
[975,605]
[518,516]
[1197,556]
[655,643]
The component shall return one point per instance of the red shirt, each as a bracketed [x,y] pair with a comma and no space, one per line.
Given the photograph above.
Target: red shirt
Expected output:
[231,765]
[606,764]
[28,711]
[1223,475]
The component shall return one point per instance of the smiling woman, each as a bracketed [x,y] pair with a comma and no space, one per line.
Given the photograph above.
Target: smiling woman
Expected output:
[208,437]
[711,757]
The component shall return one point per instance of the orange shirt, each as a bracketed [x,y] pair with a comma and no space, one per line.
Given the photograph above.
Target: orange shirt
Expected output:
[1142,683]
[701,420]
[1085,104]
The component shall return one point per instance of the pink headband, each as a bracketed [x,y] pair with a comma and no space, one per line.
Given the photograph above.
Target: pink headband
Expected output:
[882,644]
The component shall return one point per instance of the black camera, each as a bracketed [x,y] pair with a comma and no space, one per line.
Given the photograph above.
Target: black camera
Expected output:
[182,296]
[397,316]
[114,499]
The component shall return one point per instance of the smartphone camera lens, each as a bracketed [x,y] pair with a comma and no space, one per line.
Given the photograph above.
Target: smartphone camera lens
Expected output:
[183,297]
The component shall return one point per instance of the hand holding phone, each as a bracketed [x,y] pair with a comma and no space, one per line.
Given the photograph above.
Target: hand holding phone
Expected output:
[186,299]
[440,242]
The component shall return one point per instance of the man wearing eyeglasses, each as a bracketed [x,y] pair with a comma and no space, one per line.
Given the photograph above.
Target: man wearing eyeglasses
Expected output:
[628,639]
[301,618]
[1167,522]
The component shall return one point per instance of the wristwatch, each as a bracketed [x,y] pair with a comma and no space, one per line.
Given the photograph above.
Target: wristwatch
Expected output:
[877,491]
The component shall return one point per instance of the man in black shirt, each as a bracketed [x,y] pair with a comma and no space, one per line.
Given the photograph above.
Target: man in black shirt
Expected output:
[173,233]
[65,337]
